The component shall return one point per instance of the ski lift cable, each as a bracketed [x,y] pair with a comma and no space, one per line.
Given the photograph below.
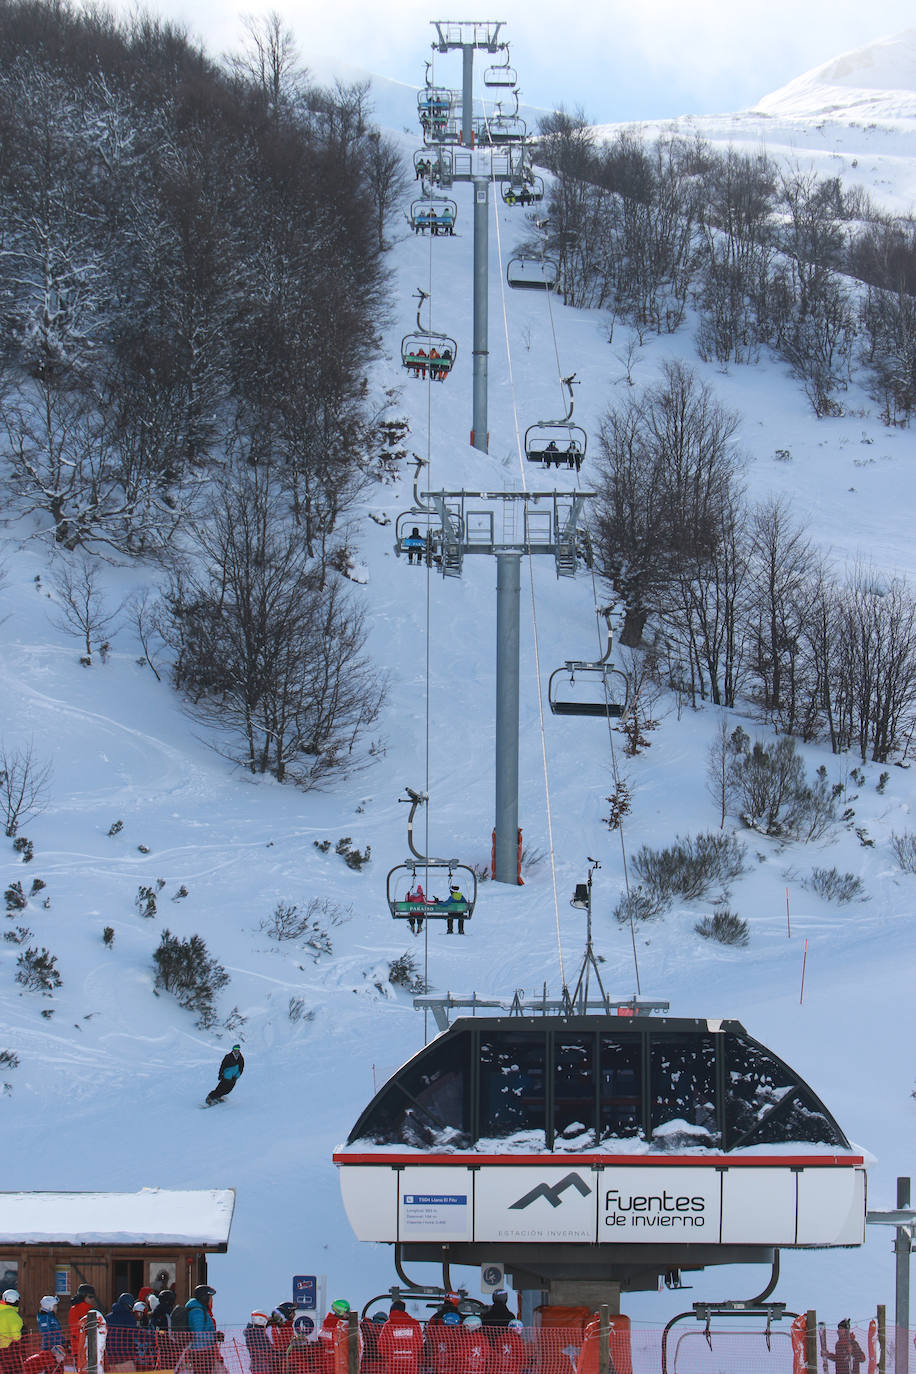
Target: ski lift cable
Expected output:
[613,753]
[519,449]
[428,634]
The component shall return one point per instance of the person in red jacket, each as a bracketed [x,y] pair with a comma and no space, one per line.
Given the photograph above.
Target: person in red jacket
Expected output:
[400,1342]
[45,1361]
[83,1299]
[333,1337]
[472,1353]
[442,1339]
[508,1352]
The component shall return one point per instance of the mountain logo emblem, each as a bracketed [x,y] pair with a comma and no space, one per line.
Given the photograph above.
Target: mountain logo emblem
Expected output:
[553,1192]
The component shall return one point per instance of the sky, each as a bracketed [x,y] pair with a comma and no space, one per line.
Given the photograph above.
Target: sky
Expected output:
[658,59]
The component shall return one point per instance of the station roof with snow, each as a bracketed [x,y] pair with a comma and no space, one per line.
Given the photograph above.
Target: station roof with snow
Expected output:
[153,1216]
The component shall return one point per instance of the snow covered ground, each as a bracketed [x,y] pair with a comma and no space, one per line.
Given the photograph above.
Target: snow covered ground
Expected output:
[109,1089]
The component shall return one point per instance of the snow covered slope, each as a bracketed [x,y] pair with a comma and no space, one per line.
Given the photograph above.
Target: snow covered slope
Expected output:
[108,1091]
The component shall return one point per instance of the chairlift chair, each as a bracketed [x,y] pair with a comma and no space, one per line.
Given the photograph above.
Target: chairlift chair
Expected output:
[527,272]
[591,688]
[428,541]
[428,348]
[500,75]
[554,442]
[435,213]
[523,191]
[420,889]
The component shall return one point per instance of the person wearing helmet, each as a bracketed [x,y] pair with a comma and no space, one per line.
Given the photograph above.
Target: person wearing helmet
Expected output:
[258,1344]
[442,1336]
[146,1341]
[230,1071]
[400,1342]
[84,1301]
[458,905]
[48,1324]
[202,1329]
[10,1331]
[49,1361]
[508,1352]
[472,1351]
[122,1333]
[334,1338]
[498,1314]
[281,1327]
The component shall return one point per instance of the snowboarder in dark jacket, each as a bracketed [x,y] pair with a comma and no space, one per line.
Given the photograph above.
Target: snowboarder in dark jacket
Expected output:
[230,1071]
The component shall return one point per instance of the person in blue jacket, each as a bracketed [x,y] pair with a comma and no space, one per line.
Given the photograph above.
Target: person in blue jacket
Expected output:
[121,1345]
[230,1071]
[202,1327]
[48,1324]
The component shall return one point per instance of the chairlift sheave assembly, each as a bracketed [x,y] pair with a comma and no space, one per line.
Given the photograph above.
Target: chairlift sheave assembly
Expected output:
[428,348]
[527,272]
[455,884]
[432,212]
[557,441]
[589,688]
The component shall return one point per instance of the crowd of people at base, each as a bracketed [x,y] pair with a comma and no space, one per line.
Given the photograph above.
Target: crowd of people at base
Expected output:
[153,1332]
[450,1342]
[150,1331]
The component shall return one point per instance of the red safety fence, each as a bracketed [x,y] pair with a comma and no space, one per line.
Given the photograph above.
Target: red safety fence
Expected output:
[435,1348]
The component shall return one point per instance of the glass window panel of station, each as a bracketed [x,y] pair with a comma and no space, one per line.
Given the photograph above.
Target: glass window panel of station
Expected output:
[756,1082]
[426,1103]
[574,1091]
[682,1088]
[620,1077]
[512,1083]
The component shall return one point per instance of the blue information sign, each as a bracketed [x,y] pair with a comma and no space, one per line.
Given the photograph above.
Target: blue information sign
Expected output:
[305,1290]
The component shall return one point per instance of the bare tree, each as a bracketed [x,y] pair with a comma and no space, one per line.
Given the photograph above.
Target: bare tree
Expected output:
[81,605]
[267,651]
[667,467]
[270,59]
[387,177]
[24,783]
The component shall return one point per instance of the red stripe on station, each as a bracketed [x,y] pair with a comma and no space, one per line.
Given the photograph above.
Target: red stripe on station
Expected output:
[831,1161]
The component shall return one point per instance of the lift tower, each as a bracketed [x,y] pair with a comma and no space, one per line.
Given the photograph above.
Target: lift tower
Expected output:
[470,36]
[507,525]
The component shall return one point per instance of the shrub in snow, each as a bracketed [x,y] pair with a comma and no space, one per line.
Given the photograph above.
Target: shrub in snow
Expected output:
[353,858]
[288,921]
[115,828]
[297,1011]
[689,867]
[8,1060]
[724,926]
[16,900]
[145,901]
[767,786]
[904,847]
[25,848]
[38,884]
[186,970]
[17,936]
[403,973]
[37,971]
[637,905]
[108,937]
[835,886]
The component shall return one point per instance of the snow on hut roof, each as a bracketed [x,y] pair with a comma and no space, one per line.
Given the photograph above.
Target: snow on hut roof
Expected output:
[154,1216]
